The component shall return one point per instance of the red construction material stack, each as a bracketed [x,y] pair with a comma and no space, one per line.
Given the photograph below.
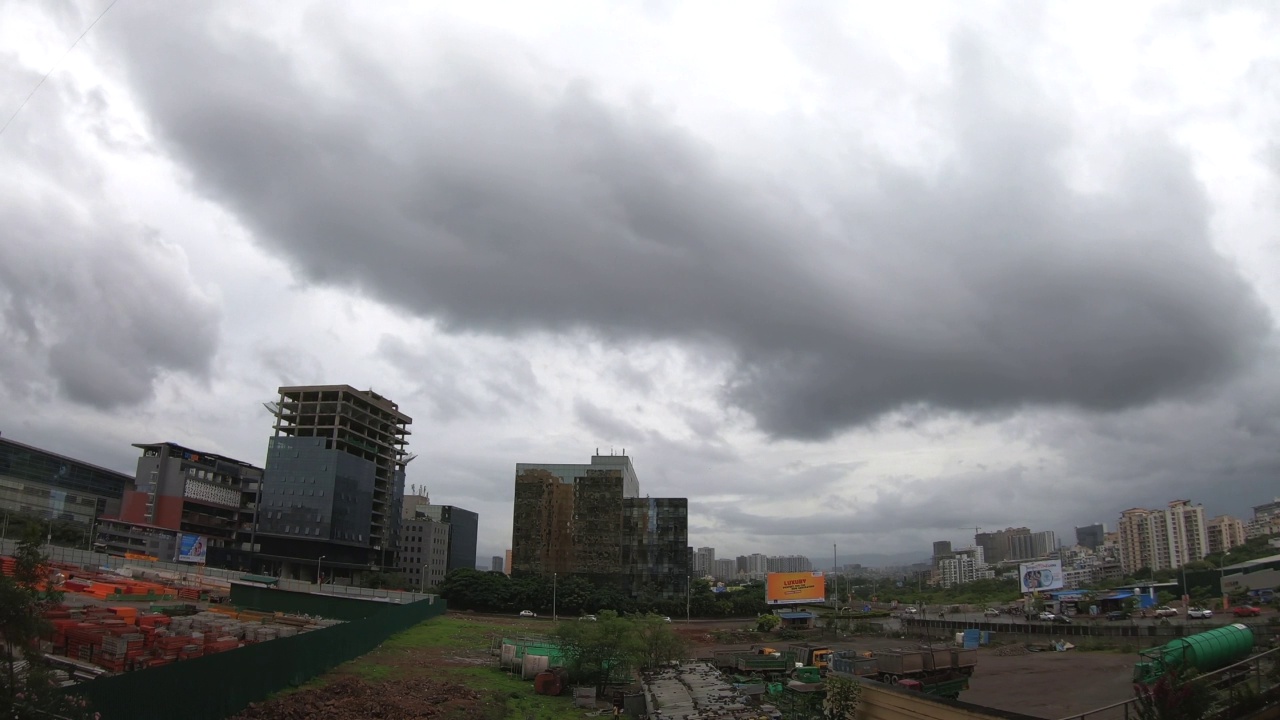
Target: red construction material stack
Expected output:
[84,641]
[222,644]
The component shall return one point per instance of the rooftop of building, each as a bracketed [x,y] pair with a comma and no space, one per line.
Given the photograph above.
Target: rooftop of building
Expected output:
[370,396]
[1247,564]
[195,455]
[60,456]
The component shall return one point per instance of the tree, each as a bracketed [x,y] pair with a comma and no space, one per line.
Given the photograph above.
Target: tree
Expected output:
[842,699]
[30,692]
[594,649]
[765,623]
[657,642]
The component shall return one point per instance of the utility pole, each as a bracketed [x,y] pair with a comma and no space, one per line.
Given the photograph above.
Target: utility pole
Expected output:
[834,565]
[688,596]
[553,596]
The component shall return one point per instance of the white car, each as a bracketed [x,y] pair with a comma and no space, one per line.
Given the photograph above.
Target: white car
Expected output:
[1203,613]
[528,613]
[910,610]
[666,619]
[1166,611]
[591,618]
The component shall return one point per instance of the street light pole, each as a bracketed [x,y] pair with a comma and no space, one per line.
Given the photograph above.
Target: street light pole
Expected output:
[553,596]
[422,581]
[688,595]
[1222,576]
[322,557]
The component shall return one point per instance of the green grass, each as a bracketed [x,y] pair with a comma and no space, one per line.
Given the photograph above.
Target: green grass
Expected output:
[511,697]
[445,632]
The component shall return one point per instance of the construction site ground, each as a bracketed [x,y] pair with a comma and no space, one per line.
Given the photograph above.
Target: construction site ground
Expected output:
[443,669]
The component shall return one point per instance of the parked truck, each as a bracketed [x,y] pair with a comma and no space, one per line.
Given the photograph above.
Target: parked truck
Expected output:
[751,662]
[942,671]
[812,655]
[1204,652]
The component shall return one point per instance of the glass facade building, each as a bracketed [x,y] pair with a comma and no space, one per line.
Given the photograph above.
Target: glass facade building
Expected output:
[50,486]
[334,484]
[589,521]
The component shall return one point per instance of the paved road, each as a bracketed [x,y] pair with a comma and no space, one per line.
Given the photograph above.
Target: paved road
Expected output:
[1217,620]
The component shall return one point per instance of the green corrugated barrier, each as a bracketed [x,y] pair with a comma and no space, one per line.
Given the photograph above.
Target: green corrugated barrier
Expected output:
[217,686]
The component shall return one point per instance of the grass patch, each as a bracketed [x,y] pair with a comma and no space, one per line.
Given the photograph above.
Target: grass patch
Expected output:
[521,702]
[509,697]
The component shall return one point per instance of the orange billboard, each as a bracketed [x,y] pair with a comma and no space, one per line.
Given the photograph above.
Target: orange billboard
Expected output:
[795,587]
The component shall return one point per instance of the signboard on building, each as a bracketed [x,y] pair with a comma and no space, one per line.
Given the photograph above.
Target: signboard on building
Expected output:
[192,548]
[1040,575]
[795,588]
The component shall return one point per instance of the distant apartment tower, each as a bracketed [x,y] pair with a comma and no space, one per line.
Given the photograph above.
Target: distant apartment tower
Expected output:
[589,520]
[790,563]
[496,564]
[1224,532]
[424,552]
[1266,520]
[757,565]
[334,483]
[997,546]
[182,491]
[464,531]
[1091,536]
[725,570]
[1032,545]
[1162,539]
[704,559]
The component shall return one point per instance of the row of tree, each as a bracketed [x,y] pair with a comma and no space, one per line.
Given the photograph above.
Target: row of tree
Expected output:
[467,589]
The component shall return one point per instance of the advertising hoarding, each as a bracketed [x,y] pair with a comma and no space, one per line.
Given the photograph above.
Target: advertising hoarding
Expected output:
[794,588]
[192,548]
[1040,575]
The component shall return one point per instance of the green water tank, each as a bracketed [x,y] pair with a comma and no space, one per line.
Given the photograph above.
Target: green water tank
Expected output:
[1209,651]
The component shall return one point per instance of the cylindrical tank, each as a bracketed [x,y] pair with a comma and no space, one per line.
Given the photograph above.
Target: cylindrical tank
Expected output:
[1209,651]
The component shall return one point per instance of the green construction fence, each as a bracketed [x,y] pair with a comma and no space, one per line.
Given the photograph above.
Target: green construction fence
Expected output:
[217,686]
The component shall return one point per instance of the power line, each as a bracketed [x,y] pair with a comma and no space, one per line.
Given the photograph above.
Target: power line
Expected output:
[56,66]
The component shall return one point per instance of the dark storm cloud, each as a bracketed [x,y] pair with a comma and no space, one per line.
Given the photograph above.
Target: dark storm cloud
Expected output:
[508,206]
[90,303]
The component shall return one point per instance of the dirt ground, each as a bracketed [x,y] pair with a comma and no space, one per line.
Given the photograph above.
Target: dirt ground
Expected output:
[351,697]
[1051,684]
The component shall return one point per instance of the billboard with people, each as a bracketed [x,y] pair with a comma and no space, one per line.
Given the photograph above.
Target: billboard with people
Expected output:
[1040,575]
[795,587]
[192,548]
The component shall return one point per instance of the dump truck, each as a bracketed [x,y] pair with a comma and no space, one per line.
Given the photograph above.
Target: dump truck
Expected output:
[1203,652]
[812,655]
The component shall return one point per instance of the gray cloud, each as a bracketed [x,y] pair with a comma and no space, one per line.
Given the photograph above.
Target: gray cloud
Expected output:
[92,306]
[498,206]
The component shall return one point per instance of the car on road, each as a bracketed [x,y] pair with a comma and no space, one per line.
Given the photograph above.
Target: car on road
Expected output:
[1117,615]
[910,610]
[666,619]
[1166,611]
[1047,616]
[591,618]
[991,612]
[1199,613]
[528,613]
[1246,611]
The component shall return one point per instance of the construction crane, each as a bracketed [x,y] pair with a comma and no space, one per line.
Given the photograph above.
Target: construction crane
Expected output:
[975,530]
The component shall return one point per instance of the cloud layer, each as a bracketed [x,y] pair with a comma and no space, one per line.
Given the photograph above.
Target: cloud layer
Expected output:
[512,201]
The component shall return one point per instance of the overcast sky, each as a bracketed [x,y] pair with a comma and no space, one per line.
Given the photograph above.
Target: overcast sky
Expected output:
[840,273]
